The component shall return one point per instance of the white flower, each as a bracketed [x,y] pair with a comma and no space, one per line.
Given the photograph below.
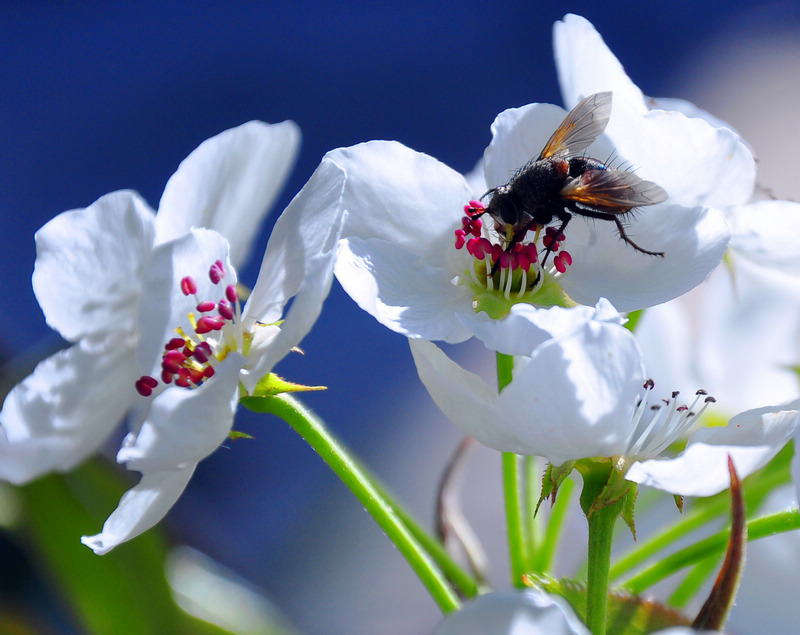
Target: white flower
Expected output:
[195,375]
[744,339]
[399,262]
[528,612]
[582,392]
[87,280]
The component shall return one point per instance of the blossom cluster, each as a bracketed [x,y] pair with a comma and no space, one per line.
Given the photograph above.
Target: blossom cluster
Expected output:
[155,315]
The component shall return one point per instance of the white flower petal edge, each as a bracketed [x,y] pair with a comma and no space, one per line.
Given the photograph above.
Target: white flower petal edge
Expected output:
[696,162]
[64,410]
[140,509]
[527,612]
[573,398]
[229,183]
[298,263]
[768,233]
[88,264]
[751,439]
[183,427]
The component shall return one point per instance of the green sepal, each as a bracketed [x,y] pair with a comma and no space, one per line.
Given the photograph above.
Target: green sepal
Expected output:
[627,614]
[628,508]
[551,481]
[678,502]
[237,434]
[271,385]
[615,488]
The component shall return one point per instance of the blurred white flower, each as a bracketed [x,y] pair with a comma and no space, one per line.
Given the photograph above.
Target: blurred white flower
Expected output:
[87,280]
[194,378]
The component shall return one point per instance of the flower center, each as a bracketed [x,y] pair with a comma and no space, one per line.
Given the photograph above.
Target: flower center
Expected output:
[189,359]
[506,260]
[667,422]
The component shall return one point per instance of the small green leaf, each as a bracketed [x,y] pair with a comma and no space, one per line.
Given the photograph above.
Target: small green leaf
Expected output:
[237,434]
[551,481]
[271,385]
[628,509]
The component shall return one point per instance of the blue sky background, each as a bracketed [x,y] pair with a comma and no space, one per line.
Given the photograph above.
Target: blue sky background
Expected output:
[99,96]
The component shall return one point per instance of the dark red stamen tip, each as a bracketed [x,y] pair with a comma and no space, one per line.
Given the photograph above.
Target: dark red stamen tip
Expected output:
[205,307]
[206,324]
[175,343]
[173,361]
[216,272]
[230,293]
[225,309]
[188,286]
[145,384]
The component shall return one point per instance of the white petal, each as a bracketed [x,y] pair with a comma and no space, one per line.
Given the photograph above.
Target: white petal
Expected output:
[690,110]
[518,136]
[401,196]
[576,396]
[140,508]
[403,291]
[88,265]
[694,162]
[526,327]
[65,410]
[229,183]
[768,233]
[586,65]
[796,463]
[751,438]
[513,613]
[298,263]
[185,425]
[164,307]
[693,240]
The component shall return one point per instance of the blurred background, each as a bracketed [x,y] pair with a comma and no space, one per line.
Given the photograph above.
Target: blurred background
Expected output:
[97,98]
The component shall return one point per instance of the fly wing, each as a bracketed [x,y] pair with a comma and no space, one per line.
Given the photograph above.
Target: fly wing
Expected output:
[612,191]
[582,125]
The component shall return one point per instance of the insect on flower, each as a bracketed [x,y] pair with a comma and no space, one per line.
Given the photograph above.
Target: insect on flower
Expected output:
[559,183]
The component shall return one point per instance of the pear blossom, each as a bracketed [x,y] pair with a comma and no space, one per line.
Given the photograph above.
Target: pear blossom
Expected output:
[198,346]
[584,393]
[527,612]
[87,279]
[709,338]
[407,254]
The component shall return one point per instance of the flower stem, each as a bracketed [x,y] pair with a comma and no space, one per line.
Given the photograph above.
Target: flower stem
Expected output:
[601,534]
[308,426]
[513,491]
[711,546]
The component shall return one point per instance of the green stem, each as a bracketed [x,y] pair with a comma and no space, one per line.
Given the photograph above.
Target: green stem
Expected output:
[558,514]
[535,526]
[601,534]
[512,490]
[308,426]
[755,489]
[711,546]
[515,522]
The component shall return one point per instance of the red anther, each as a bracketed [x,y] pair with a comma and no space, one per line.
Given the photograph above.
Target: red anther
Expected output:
[460,240]
[209,372]
[195,375]
[566,258]
[145,384]
[216,272]
[475,248]
[204,348]
[166,376]
[532,252]
[466,222]
[682,408]
[522,260]
[188,285]
[559,264]
[175,343]
[477,224]
[206,306]
[183,379]
[206,324]
[200,355]
[507,260]
[225,309]
[173,361]
[230,293]
[187,351]
[497,251]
